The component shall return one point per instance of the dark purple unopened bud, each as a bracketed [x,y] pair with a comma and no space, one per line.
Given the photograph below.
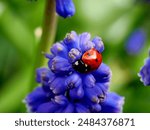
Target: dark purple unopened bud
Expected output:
[65,8]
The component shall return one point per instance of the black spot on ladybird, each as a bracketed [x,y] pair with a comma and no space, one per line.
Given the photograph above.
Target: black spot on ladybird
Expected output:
[88,54]
[96,60]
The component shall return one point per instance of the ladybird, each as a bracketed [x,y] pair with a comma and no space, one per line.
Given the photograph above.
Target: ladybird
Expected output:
[89,61]
[92,58]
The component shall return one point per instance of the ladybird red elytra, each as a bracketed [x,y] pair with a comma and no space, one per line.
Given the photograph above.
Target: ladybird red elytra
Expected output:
[89,61]
[92,58]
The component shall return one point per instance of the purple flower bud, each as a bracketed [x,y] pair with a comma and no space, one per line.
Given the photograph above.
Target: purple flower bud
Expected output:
[135,42]
[65,8]
[144,73]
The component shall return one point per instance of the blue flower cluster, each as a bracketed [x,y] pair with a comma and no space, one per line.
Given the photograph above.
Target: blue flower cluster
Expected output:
[65,90]
[65,8]
[145,72]
[136,42]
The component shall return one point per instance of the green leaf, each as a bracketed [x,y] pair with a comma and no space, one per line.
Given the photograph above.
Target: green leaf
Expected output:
[14,91]
[17,32]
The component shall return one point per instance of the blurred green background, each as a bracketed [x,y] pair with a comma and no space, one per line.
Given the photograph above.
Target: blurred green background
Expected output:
[113,20]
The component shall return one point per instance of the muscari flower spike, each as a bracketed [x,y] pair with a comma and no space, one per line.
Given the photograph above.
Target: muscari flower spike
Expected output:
[135,42]
[72,84]
[144,73]
[65,8]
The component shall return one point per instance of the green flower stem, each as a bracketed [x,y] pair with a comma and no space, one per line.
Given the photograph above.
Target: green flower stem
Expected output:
[48,33]
[47,38]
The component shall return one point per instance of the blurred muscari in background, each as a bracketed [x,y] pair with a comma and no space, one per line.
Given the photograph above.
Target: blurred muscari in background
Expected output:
[123,25]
